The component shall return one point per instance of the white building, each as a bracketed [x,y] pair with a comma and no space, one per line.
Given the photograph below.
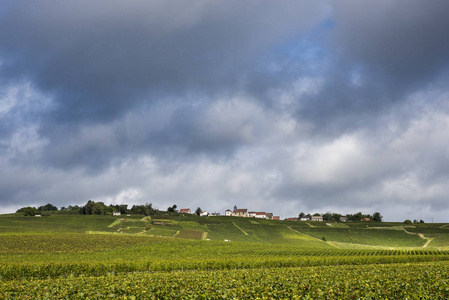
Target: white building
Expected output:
[261,215]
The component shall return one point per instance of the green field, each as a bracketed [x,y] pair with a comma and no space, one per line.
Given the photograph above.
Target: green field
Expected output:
[183,256]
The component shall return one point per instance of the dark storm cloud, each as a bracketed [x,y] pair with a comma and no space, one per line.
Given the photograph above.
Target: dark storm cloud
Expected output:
[382,51]
[403,40]
[99,57]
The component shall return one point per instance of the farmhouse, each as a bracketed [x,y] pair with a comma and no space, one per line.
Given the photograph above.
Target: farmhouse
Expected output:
[305,219]
[204,214]
[343,219]
[117,213]
[215,214]
[291,219]
[276,218]
[185,211]
[261,215]
[240,212]
[366,219]
[252,214]
[317,218]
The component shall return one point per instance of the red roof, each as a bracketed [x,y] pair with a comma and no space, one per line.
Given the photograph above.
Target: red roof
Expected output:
[241,210]
[184,210]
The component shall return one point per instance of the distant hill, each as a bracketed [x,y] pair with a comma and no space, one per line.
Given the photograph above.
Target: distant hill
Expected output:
[184,226]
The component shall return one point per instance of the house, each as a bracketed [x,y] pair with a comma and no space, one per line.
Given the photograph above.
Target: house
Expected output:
[261,215]
[204,214]
[228,213]
[269,216]
[291,219]
[343,219]
[366,219]
[252,214]
[305,219]
[215,214]
[276,218]
[240,213]
[117,213]
[317,218]
[185,211]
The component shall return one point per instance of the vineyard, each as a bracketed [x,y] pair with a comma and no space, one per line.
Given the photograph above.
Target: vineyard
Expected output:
[79,257]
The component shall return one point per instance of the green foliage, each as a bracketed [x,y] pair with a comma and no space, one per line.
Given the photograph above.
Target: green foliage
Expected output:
[145,210]
[28,211]
[198,211]
[377,217]
[172,208]
[396,281]
[47,207]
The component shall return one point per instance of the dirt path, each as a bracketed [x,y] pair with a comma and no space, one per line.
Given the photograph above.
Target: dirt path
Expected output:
[245,233]
[428,240]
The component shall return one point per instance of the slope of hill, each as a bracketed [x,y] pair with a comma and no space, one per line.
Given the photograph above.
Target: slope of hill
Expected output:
[251,230]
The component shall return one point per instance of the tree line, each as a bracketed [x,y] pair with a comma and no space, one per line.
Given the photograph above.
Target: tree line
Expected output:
[90,208]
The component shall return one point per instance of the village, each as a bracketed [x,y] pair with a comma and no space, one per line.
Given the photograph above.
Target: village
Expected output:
[235,213]
[244,213]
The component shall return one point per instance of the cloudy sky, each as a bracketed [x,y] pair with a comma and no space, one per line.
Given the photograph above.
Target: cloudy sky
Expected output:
[279,106]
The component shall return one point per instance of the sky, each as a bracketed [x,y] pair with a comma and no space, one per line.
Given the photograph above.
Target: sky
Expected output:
[277,106]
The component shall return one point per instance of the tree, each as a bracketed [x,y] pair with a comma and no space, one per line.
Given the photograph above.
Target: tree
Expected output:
[235,207]
[198,211]
[301,215]
[377,217]
[355,217]
[122,208]
[99,208]
[149,208]
[138,210]
[47,207]
[407,221]
[172,208]
[28,211]
[75,207]
[421,221]
[94,208]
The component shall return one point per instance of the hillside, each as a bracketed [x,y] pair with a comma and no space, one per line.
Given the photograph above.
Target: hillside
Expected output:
[184,257]
[321,235]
